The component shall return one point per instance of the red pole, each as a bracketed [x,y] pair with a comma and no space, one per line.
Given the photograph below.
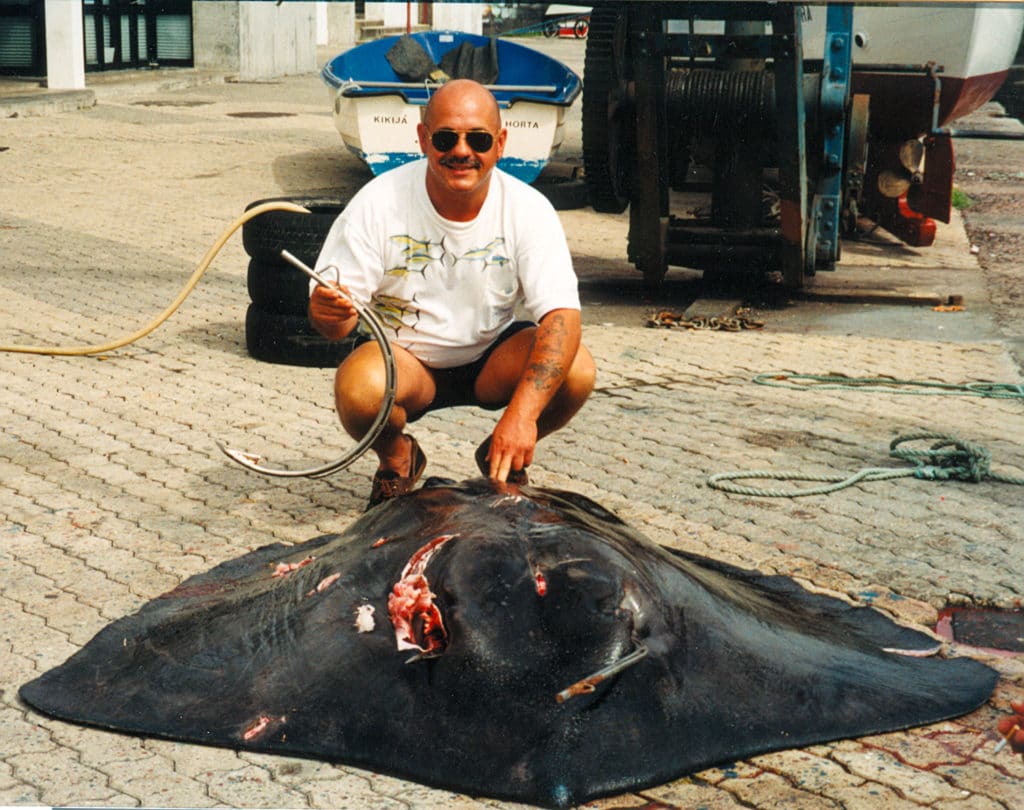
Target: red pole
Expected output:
[408,17]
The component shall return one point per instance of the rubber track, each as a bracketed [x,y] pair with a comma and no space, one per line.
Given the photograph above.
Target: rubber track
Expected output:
[598,72]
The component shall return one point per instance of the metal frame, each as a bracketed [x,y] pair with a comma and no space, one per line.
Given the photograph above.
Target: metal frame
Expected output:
[811,185]
[823,251]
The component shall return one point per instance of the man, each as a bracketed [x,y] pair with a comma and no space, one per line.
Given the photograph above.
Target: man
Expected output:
[444,249]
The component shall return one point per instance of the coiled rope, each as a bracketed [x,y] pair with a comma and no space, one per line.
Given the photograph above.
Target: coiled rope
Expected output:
[890,385]
[949,458]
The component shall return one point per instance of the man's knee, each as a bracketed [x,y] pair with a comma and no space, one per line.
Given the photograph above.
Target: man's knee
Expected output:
[359,384]
[582,375]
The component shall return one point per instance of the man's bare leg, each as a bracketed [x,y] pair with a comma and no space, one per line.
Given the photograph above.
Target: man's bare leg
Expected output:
[359,390]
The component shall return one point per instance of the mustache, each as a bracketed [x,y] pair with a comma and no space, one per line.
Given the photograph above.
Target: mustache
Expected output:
[460,162]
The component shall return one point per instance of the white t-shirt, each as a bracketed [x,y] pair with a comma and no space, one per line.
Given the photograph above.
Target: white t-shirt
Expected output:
[448,289]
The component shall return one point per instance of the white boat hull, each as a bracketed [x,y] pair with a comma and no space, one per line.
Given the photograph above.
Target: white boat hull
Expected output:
[970,45]
[381,130]
[964,41]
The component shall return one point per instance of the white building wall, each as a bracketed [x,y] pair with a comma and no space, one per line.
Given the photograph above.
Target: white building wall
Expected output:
[392,14]
[341,24]
[215,35]
[321,23]
[468,17]
[450,16]
[276,40]
[259,40]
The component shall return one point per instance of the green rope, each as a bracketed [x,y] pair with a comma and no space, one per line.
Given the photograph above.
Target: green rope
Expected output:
[947,459]
[891,385]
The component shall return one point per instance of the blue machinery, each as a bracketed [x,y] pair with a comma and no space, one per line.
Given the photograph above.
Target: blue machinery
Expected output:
[783,143]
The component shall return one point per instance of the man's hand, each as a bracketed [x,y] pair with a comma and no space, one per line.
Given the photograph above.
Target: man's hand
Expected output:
[332,312]
[1011,728]
[512,444]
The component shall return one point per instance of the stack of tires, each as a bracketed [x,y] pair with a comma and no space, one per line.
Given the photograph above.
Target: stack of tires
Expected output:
[277,328]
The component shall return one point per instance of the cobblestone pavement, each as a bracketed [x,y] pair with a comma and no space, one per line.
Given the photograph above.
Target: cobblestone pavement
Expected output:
[989,172]
[114,489]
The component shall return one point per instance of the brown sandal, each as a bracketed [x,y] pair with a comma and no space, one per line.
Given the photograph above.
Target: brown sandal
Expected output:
[388,484]
[518,477]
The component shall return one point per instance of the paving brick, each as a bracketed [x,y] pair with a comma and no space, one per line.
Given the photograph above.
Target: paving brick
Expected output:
[19,793]
[922,786]
[871,796]
[346,790]
[152,782]
[79,621]
[766,790]
[687,793]
[293,771]
[807,772]
[65,779]
[417,796]
[18,734]
[196,762]
[116,749]
[45,647]
[251,786]
[971,802]
[986,780]
[7,780]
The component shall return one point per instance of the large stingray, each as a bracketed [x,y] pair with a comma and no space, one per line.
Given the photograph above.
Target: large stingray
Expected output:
[449,637]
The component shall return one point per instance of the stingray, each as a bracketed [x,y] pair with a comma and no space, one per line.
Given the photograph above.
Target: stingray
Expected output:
[517,643]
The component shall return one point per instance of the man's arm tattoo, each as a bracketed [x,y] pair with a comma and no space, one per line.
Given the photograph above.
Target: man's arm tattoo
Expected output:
[547,371]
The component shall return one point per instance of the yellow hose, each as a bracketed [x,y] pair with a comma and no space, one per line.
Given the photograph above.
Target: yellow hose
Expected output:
[77,351]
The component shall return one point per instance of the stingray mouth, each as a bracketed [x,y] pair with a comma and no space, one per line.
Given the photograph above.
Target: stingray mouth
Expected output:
[416,618]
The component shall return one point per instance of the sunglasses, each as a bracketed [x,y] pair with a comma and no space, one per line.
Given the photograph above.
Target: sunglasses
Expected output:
[444,140]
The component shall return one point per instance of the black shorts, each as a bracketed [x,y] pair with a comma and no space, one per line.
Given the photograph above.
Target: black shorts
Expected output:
[455,385]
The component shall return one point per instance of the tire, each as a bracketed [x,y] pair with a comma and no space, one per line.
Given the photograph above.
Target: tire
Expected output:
[290,340]
[581,28]
[564,193]
[276,286]
[300,234]
[609,114]
[552,28]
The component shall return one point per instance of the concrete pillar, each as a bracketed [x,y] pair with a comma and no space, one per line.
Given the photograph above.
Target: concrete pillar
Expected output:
[277,40]
[321,23]
[65,45]
[260,40]
[449,16]
[341,25]
[393,15]
[468,17]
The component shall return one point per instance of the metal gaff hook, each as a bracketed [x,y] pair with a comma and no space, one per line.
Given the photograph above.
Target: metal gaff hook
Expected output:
[589,684]
[370,318]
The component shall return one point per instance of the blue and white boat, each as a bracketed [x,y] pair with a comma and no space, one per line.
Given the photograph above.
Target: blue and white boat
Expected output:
[376,111]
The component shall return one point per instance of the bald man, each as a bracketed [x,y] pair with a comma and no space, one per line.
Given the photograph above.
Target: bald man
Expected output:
[444,249]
